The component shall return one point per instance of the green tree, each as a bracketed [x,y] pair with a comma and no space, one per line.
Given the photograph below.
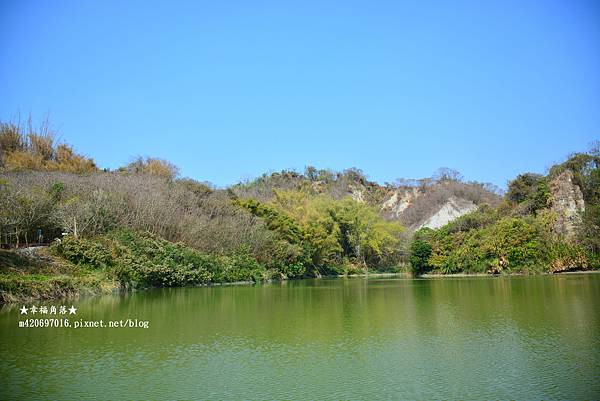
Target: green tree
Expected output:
[529,190]
[420,251]
[365,235]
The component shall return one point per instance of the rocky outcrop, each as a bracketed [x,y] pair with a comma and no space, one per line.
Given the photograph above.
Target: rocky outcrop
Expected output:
[357,195]
[400,201]
[567,202]
[451,210]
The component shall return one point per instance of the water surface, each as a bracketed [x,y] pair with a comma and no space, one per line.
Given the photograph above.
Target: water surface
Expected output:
[353,339]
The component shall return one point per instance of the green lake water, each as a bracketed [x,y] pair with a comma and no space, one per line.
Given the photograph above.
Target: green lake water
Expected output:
[535,337]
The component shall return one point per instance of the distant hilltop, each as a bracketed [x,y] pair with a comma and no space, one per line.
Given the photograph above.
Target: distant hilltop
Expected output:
[428,202]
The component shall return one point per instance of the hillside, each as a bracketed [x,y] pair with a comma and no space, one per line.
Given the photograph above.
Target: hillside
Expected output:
[142,226]
[429,202]
[545,223]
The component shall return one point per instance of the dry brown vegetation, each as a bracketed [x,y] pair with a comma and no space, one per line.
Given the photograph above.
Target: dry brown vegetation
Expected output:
[25,148]
[92,204]
[436,193]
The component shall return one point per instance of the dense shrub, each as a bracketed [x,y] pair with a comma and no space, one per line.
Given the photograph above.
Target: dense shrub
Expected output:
[520,235]
[530,191]
[143,259]
[96,254]
[509,244]
[420,251]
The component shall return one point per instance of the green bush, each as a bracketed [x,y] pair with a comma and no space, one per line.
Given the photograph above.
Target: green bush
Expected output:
[166,275]
[145,260]
[510,244]
[239,267]
[293,270]
[530,191]
[94,254]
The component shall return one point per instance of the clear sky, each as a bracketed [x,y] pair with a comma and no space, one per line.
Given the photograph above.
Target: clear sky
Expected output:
[229,90]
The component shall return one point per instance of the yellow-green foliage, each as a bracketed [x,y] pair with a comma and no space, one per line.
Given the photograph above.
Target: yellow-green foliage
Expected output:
[330,232]
[321,233]
[365,234]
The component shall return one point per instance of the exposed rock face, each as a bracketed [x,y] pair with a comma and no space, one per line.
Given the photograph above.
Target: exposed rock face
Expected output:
[451,210]
[400,201]
[567,202]
[357,195]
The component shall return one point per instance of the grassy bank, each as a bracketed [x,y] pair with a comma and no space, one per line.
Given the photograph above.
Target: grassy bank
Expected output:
[36,274]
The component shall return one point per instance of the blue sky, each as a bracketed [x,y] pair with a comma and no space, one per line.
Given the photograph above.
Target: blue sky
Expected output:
[229,90]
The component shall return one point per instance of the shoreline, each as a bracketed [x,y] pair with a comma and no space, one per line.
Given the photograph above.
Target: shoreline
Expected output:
[111,288]
[435,275]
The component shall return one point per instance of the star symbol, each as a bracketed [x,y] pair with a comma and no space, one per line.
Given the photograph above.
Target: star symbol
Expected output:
[23,310]
[72,310]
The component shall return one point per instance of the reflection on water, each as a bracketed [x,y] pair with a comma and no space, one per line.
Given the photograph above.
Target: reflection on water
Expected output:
[451,338]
